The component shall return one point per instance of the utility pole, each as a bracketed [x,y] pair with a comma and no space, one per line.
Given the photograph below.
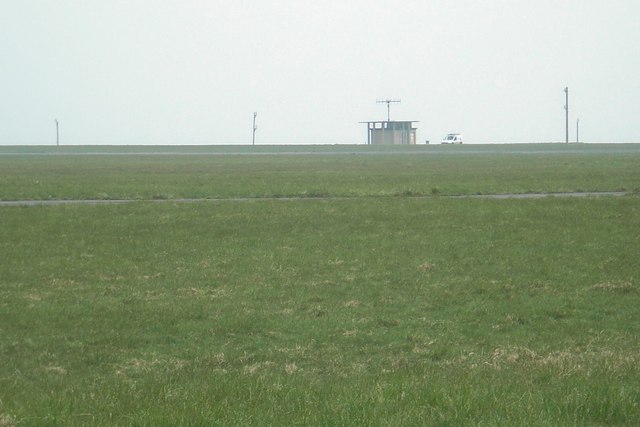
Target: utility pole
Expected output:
[388,102]
[255,114]
[57,134]
[566,111]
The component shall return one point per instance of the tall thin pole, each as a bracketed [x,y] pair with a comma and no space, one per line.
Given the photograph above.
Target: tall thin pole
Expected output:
[255,114]
[578,130]
[57,134]
[566,111]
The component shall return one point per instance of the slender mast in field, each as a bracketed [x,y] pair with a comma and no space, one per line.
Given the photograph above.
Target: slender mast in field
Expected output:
[57,133]
[566,112]
[255,114]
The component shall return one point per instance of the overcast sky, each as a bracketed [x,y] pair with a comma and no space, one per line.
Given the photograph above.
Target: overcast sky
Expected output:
[194,71]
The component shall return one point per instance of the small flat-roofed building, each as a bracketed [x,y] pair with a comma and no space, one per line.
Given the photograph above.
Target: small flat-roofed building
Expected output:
[391,132]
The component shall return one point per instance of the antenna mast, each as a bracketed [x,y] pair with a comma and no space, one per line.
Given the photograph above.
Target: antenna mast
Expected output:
[388,102]
[566,119]
[255,114]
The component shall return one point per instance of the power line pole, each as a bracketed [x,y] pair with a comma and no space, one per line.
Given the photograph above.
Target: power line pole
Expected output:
[388,102]
[57,134]
[255,114]
[566,110]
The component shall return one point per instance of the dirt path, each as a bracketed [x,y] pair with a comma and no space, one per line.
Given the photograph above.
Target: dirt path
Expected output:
[247,199]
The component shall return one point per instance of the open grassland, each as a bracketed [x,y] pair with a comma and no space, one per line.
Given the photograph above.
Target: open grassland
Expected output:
[361,311]
[75,173]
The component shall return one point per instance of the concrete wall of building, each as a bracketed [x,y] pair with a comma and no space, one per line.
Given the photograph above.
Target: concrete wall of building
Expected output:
[390,136]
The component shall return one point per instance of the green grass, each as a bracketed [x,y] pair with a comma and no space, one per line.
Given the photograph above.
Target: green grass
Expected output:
[418,170]
[363,311]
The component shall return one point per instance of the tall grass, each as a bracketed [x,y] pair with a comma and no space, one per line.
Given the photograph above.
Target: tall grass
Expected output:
[375,311]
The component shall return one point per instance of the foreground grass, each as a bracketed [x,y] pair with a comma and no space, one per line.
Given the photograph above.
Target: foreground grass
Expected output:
[386,311]
[75,173]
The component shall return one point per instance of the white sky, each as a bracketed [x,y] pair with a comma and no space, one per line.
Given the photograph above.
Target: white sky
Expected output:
[194,71]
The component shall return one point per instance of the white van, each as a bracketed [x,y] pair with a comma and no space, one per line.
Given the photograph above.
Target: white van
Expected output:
[452,138]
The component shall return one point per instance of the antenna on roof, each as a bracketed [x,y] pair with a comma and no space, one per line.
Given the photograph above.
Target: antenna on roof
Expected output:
[388,102]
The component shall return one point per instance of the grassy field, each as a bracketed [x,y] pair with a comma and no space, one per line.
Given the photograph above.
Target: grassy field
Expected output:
[375,310]
[224,172]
